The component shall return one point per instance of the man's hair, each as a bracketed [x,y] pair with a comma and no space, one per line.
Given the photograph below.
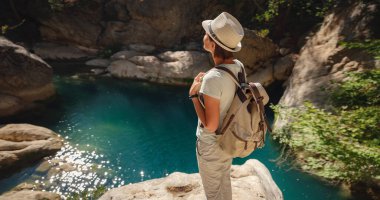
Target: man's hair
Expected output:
[222,53]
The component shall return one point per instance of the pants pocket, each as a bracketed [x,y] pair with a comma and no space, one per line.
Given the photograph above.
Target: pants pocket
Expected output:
[207,151]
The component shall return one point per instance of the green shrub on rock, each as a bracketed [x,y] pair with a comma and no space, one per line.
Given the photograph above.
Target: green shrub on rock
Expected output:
[343,146]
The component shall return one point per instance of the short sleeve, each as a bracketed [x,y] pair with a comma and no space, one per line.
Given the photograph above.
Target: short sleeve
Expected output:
[212,85]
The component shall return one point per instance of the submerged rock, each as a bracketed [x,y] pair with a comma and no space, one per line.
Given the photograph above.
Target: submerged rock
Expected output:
[23,144]
[98,62]
[251,181]
[24,78]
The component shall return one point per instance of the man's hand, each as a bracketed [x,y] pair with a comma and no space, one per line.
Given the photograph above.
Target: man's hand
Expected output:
[194,89]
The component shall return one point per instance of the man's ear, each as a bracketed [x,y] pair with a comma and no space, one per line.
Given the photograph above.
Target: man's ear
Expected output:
[213,46]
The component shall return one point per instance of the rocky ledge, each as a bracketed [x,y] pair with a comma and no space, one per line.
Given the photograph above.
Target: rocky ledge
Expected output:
[30,195]
[23,144]
[251,180]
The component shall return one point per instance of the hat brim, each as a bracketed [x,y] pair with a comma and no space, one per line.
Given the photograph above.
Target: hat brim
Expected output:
[205,25]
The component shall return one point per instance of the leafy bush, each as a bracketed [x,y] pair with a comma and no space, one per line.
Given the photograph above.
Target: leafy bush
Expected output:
[362,89]
[371,46]
[344,146]
[313,8]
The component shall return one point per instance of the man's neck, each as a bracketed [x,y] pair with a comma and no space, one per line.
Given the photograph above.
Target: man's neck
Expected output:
[219,61]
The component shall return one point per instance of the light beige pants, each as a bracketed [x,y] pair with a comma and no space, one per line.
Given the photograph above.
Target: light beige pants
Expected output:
[214,167]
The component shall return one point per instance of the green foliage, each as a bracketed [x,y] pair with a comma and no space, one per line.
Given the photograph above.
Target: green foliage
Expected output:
[362,89]
[341,147]
[371,46]
[272,10]
[300,8]
[89,195]
[263,33]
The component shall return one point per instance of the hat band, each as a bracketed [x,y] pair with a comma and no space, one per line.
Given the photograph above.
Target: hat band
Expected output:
[215,37]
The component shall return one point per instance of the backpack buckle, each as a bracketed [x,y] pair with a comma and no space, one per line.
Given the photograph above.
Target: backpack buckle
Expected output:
[244,85]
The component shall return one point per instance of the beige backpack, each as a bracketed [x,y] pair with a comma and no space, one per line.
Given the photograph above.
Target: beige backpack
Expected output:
[245,125]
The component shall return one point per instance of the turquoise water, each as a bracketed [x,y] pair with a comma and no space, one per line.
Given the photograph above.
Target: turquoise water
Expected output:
[135,131]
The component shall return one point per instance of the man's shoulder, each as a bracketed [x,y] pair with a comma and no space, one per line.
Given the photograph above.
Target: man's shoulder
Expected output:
[213,74]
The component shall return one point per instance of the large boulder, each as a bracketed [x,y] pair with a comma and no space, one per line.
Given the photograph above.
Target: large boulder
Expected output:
[256,50]
[24,78]
[322,60]
[250,181]
[23,144]
[274,69]
[170,67]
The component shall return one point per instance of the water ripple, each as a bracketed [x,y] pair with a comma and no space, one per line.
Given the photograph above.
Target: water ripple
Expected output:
[73,171]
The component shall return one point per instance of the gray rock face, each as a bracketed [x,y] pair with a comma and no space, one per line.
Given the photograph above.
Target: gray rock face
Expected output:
[119,21]
[250,181]
[30,195]
[24,78]
[321,60]
[77,25]
[22,144]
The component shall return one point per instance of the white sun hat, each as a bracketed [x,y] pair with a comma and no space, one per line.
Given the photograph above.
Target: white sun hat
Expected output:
[226,31]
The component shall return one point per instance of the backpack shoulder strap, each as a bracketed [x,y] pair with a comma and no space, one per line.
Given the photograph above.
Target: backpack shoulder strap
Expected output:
[230,74]
[241,75]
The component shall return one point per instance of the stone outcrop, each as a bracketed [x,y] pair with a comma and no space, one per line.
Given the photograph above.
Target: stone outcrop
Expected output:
[178,67]
[23,144]
[24,78]
[322,60]
[249,181]
[30,195]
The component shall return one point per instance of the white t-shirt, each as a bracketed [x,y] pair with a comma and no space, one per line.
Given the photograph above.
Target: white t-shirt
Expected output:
[217,84]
